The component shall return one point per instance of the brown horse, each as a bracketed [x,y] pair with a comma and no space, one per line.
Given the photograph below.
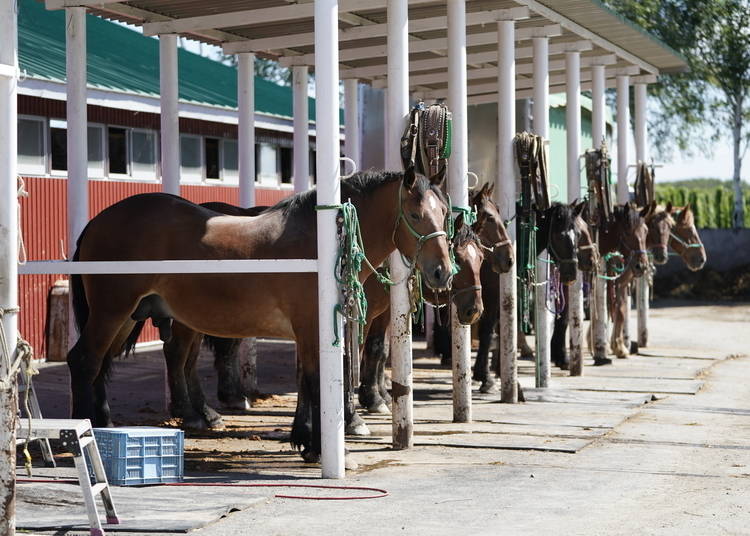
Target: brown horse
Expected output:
[465,295]
[684,238]
[161,226]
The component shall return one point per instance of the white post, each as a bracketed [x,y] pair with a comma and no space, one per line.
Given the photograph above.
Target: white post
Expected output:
[170,119]
[599,316]
[573,138]
[397,108]
[598,128]
[351,119]
[623,127]
[8,260]
[641,150]
[542,316]
[329,193]
[301,132]
[458,189]
[246,127]
[505,195]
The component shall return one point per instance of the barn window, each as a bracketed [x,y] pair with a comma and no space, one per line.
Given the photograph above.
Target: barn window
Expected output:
[191,157]
[267,165]
[143,143]
[213,166]
[117,142]
[95,141]
[58,139]
[229,158]
[31,150]
[286,164]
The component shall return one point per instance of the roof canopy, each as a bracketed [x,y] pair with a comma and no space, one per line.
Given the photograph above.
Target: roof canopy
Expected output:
[283,29]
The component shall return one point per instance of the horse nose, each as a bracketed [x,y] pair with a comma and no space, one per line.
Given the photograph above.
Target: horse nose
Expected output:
[442,276]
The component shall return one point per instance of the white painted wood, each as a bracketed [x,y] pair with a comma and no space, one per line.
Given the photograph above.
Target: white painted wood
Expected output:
[598,127]
[61,4]
[641,150]
[301,135]
[573,146]
[329,193]
[246,127]
[599,317]
[505,196]
[170,120]
[458,189]
[199,266]
[8,258]
[542,316]
[623,127]
[397,109]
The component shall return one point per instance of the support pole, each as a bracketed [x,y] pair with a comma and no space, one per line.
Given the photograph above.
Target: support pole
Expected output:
[329,193]
[246,127]
[505,196]
[573,139]
[458,189]
[301,132]
[623,127]
[641,149]
[351,117]
[542,316]
[397,109]
[599,316]
[8,260]
[170,119]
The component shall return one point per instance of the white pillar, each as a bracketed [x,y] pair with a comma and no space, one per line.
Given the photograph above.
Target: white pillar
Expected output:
[170,119]
[542,316]
[598,128]
[301,129]
[397,109]
[505,195]
[458,189]
[75,67]
[329,193]
[573,139]
[351,117]
[623,127]
[8,256]
[599,316]
[246,127]
[641,154]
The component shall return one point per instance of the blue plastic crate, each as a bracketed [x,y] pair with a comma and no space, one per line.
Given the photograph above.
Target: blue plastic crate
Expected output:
[141,455]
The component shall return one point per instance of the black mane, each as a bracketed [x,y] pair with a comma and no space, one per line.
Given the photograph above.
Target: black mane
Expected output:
[629,214]
[464,235]
[359,185]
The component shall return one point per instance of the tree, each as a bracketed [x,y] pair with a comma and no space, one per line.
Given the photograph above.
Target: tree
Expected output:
[714,95]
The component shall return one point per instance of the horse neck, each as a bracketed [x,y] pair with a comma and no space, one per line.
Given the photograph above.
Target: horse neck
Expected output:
[377,212]
[609,237]
[542,234]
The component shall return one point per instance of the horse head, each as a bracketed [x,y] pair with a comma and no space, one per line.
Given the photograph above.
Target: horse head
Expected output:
[491,230]
[685,240]
[557,225]
[588,253]
[631,229]
[419,232]
[466,291]
[659,223]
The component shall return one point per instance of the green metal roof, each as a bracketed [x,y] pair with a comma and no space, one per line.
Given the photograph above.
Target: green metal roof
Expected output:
[123,60]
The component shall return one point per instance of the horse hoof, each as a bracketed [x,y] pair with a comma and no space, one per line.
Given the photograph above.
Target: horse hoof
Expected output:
[379,409]
[195,423]
[310,457]
[633,347]
[350,464]
[600,361]
[488,387]
[359,429]
[240,404]
[213,419]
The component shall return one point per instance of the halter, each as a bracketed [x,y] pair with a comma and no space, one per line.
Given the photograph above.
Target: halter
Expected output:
[683,243]
[560,260]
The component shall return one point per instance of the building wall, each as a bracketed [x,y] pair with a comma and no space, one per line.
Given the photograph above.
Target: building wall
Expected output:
[44,224]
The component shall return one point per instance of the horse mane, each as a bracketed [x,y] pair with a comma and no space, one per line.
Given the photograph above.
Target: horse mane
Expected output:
[661,210]
[629,214]
[561,214]
[464,235]
[358,185]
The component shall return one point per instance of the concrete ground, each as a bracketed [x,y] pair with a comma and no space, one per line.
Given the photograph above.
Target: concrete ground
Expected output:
[657,444]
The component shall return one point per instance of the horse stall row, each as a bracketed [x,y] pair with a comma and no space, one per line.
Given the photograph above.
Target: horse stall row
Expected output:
[461,52]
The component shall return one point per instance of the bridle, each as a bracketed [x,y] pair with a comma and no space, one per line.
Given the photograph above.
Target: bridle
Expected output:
[453,294]
[558,258]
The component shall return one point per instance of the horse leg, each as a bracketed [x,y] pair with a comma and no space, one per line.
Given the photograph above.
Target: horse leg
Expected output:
[301,436]
[354,424]
[382,361]
[441,337]
[523,346]
[195,389]
[558,345]
[176,353]
[373,362]
[618,320]
[226,364]
[482,368]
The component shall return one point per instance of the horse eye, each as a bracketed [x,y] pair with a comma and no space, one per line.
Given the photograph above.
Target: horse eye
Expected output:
[415,216]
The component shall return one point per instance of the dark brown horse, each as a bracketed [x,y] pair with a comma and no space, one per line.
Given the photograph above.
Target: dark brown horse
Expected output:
[161,226]
[465,295]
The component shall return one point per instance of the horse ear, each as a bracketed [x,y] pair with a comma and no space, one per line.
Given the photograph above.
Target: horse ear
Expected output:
[670,207]
[438,178]
[685,213]
[646,211]
[578,208]
[490,189]
[458,223]
[410,178]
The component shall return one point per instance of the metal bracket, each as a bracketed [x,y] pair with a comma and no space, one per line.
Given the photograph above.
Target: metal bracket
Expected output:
[70,441]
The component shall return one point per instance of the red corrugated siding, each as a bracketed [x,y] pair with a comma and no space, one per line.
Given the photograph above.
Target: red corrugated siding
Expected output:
[44,226]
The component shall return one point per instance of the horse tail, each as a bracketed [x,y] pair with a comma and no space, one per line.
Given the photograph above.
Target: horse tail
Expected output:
[77,291]
[129,347]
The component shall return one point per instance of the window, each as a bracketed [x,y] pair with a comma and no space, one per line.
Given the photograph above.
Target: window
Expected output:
[31,149]
[267,165]
[117,141]
[191,157]
[211,146]
[257,162]
[286,165]
[143,161]
[58,138]
[313,168]
[95,141]
[229,155]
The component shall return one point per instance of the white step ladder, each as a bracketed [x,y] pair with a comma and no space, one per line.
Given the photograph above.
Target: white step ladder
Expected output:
[36,412]
[78,438]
